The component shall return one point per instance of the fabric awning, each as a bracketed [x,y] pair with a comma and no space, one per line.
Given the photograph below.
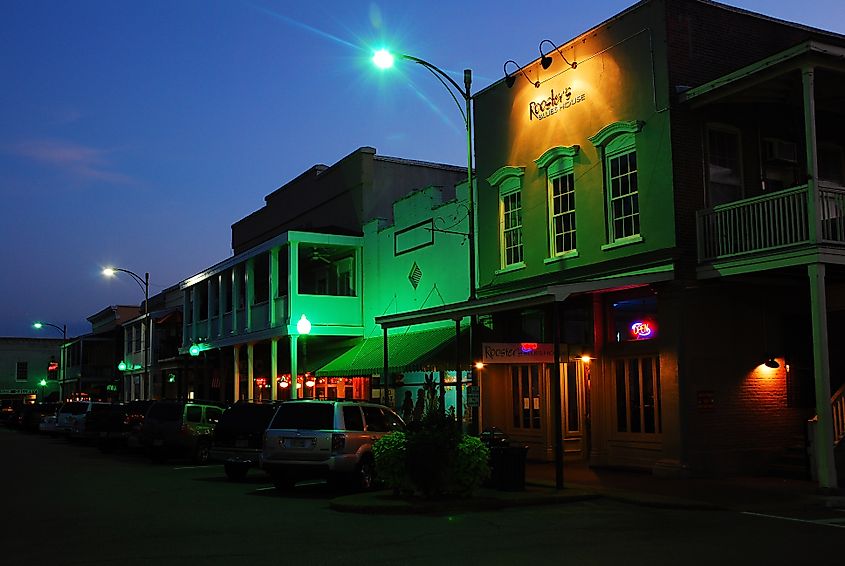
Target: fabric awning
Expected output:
[409,351]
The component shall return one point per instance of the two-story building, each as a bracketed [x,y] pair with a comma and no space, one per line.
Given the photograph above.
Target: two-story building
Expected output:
[29,369]
[659,221]
[290,299]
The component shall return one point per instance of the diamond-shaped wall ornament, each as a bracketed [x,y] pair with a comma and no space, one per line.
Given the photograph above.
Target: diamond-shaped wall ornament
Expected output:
[415,275]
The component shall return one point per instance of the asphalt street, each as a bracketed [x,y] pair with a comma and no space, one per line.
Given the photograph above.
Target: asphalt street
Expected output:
[69,504]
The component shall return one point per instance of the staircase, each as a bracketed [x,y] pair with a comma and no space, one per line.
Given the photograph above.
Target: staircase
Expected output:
[837,405]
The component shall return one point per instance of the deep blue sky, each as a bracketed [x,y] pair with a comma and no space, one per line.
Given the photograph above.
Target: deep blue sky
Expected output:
[134,133]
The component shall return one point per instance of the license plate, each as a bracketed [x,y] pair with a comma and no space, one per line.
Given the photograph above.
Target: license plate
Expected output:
[298,442]
[241,444]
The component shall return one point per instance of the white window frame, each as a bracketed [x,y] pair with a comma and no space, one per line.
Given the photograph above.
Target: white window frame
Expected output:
[613,142]
[558,163]
[508,180]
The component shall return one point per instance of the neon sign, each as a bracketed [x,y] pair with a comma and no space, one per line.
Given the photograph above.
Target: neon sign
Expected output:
[642,330]
[527,347]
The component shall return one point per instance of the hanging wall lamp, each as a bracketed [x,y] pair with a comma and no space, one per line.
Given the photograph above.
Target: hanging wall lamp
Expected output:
[546,60]
[511,78]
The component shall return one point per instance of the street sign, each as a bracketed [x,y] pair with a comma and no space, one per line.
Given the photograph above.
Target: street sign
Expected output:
[473,396]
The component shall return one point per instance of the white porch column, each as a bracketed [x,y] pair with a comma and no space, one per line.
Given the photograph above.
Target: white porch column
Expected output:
[823,441]
[186,331]
[237,281]
[236,349]
[195,314]
[294,389]
[274,368]
[209,324]
[250,373]
[221,304]
[273,288]
[250,291]
[813,205]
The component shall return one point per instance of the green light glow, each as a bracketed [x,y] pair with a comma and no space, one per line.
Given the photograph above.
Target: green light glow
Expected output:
[383,59]
[42,383]
[121,366]
[37,325]
[194,350]
[303,325]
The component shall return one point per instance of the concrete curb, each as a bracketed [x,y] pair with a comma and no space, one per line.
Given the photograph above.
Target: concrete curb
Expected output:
[385,503]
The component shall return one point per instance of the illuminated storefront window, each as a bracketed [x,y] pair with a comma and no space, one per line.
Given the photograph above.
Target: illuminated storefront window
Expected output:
[525,396]
[637,384]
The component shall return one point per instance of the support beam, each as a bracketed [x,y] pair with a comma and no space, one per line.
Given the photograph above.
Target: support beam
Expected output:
[274,368]
[250,291]
[250,371]
[813,205]
[557,399]
[823,441]
[236,350]
[294,389]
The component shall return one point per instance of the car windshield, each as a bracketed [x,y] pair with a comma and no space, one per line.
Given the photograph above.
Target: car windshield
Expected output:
[246,417]
[310,416]
[165,412]
[76,408]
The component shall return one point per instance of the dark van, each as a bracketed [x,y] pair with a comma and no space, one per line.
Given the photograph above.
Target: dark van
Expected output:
[238,437]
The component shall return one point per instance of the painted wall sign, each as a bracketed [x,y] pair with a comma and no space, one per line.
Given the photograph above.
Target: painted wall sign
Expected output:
[518,353]
[554,103]
[17,391]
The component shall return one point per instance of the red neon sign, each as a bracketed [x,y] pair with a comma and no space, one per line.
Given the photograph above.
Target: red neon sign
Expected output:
[643,330]
[527,347]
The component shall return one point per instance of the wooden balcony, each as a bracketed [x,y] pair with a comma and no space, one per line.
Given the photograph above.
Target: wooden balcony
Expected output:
[771,223]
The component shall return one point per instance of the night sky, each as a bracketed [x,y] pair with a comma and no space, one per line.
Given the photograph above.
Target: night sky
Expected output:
[134,133]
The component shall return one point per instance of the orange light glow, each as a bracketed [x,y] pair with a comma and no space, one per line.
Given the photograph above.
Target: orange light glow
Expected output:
[479,365]
[586,358]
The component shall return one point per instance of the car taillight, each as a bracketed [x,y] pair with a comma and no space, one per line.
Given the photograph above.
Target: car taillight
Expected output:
[338,442]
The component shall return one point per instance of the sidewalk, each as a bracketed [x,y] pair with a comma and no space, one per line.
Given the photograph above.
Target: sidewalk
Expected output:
[639,488]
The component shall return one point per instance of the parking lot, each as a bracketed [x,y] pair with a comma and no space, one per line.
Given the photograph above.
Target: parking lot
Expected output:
[68,503]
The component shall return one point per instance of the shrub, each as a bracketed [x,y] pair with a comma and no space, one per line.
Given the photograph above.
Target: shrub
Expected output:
[470,466]
[391,456]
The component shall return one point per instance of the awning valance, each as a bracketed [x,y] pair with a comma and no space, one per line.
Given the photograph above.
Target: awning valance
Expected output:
[408,351]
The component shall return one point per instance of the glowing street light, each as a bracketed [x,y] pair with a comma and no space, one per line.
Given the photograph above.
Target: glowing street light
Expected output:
[144,283]
[38,325]
[383,59]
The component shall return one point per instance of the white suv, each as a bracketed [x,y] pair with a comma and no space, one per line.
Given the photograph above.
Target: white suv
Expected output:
[331,439]
[70,419]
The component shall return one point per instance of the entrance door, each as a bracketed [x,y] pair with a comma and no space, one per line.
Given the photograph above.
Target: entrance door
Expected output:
[573,408]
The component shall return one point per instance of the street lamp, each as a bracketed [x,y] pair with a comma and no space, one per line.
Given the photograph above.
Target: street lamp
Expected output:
[303,327]
[38,324]
[144,283]
[383,59]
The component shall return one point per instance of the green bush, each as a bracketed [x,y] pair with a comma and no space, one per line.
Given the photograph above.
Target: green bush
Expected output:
[470,466]
[391,457]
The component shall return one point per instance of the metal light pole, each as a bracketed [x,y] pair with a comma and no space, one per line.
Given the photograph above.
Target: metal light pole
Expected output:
[384,59]
[39,324]
[144,283]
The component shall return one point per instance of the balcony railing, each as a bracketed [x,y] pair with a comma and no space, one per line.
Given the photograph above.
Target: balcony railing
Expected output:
[769,222]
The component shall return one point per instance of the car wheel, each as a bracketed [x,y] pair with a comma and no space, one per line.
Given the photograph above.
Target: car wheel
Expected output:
[201,453]
[365,474]
[282,481]
[235,472]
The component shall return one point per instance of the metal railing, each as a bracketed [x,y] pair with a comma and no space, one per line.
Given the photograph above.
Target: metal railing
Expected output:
[767,222]
[837,403]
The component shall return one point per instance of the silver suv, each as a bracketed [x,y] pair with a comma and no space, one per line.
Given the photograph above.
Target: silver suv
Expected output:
[331,439]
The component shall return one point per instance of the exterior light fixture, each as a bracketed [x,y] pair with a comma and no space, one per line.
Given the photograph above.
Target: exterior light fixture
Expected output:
[772,363]
[309,382]
[479,365]
[39,324]
[585,358]
[546,60]
[510,79]
[303,325]
[383,59]
[194,350]
[121,366]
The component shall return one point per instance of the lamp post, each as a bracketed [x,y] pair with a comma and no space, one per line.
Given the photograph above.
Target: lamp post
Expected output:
[384,60]
[144,283]
[303,328]
[38,325]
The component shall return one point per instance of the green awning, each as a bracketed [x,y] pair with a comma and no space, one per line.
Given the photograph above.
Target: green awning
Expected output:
[409,351]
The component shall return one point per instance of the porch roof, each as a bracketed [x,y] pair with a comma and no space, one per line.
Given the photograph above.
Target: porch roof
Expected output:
[761,70]
[528,298]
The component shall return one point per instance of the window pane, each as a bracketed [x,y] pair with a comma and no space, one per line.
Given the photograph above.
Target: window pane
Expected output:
[535,396]
[621,398]
[648,396]
[572,409]
[516,398]
[634,393]
[526,399]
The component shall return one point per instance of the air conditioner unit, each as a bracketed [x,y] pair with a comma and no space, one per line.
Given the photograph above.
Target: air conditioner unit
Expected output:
[780,150]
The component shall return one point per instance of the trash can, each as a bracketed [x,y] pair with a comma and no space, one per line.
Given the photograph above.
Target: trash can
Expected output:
[507,467]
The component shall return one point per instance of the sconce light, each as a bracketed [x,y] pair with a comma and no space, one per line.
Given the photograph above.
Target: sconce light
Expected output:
[511,78]
[479,365]
[772,363]
[546,60]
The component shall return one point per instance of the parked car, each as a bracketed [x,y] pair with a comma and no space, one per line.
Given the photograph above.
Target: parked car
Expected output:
[30,415]
[238,437]
[180,428]
[70,420]
[9,411]
[121,427]
[331,439]
[48,425]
